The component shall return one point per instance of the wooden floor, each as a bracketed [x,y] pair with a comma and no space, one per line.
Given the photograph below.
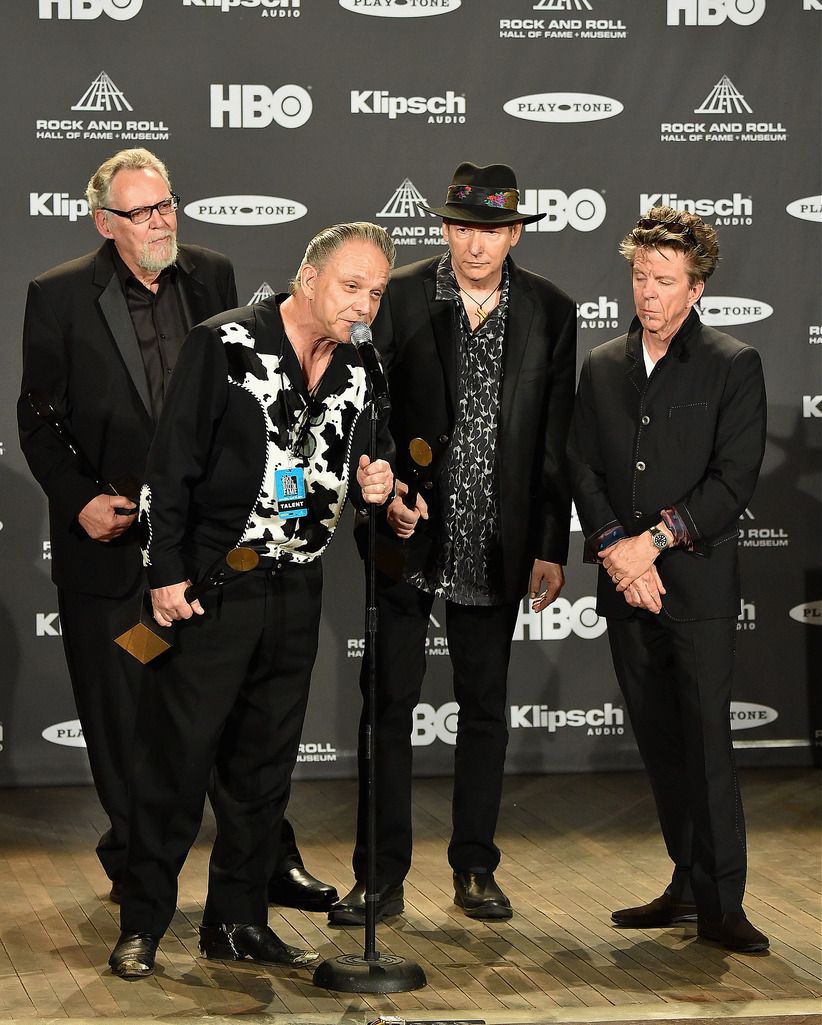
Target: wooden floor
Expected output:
[574,848]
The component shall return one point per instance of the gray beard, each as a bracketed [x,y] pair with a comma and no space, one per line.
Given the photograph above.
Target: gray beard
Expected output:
[158,263]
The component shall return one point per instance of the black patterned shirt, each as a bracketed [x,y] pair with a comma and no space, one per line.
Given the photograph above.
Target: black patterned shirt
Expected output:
[467,568]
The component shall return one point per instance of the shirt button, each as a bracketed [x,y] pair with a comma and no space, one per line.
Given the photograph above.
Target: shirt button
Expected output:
[637,514]
[645,420]
[443,438]
[640,466]
[428,485]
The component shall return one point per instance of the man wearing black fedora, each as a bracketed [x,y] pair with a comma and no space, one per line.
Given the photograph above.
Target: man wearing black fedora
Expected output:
[480,358]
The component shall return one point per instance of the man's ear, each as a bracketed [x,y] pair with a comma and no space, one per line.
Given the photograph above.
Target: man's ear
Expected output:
[101,223]
[308,280]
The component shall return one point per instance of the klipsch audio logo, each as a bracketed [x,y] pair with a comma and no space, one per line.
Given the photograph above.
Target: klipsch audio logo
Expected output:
[88,10]
[732,210]
[406,204]
[601,722]
[256,106]
[57,204]
[401,8]
[601,313]
[563,108]
[726,103]
[811,406]
[101,99]
[563,28]
[715,12]
[245,210]
[67,734]
[47,624]
[808,209]
[267,8]
[725,310]
[582,210]
[746,620]
[448,109]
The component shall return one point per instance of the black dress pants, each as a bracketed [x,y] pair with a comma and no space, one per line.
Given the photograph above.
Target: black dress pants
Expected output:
[230,697]
[479,643]
[106,684]
[676,679]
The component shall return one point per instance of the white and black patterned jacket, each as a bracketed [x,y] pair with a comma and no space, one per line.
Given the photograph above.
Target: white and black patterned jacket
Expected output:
[229,421]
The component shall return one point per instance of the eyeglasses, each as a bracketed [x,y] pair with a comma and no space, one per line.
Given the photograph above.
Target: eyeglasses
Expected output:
[141,214]
[672,227]
[305,441]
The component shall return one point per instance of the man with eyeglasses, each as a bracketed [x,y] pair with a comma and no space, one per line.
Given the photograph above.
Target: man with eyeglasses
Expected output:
[666,444]
[102,335]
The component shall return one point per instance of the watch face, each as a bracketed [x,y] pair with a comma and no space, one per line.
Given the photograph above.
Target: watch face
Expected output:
[659,539]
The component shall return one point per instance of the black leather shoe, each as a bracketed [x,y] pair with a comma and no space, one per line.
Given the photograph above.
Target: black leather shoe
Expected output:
[116,892]
[296,888]
[659,913]
[133,957]
[351,909]
[734,932]
[479,896]
[230,942]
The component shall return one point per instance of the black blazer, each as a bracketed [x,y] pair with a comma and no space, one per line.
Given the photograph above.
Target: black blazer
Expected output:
[80,348]
[692,436]
[415,336]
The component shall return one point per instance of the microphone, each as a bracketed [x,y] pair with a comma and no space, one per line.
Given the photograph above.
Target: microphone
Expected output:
[361,340]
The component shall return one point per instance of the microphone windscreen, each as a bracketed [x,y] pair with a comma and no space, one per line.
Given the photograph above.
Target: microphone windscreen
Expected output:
[360,333]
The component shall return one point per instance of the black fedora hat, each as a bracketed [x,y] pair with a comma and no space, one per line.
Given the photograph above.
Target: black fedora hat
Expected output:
[483,195]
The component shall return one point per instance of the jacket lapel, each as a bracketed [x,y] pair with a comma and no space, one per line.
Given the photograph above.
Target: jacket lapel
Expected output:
[517,332]
[442,324]
[634,360]
[114,308]
[192,291]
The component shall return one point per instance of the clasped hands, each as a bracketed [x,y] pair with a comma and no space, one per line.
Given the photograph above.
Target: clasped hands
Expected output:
[629,562]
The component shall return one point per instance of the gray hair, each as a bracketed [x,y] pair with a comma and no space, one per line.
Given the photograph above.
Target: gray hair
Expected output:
[98,190]
[699,242]
[326,242]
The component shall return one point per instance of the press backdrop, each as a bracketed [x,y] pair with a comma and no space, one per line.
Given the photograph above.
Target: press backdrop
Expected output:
[277,117]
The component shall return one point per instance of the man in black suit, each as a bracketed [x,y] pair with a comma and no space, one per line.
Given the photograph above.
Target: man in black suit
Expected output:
[102,334]
[480,357]
[667,440]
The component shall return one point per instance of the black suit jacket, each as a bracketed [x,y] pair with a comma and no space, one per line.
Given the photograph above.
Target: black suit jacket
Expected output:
[691,437]
[416,337]
[80,348]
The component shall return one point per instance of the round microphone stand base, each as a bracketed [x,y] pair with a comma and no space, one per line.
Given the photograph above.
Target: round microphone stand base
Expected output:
[353,973]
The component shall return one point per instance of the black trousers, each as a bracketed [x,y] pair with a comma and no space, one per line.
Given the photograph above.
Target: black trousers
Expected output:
[106,684]
[479,643]
[676,679]
[230,697]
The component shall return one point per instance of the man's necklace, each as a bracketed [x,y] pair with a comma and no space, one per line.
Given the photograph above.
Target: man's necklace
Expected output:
[482,314]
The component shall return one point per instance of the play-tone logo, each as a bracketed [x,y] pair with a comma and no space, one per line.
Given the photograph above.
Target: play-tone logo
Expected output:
[66,734]
[582,210]
[810,613]
[724,310]
[733,210]
[256,106]
[88,10]
[563,108]
[401,8]
[745,715]
[715,12]
[606,721]
[245,210]
[808,209]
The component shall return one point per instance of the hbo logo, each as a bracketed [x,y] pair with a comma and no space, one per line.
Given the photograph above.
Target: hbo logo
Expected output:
[715,12]
[560,620]
[583,210]
[432,724]
[87,10]
[256,106]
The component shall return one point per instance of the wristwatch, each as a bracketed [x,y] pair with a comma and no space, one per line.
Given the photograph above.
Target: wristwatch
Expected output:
[659,538]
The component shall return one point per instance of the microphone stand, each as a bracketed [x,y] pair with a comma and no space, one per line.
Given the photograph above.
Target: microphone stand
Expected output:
[373,972]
